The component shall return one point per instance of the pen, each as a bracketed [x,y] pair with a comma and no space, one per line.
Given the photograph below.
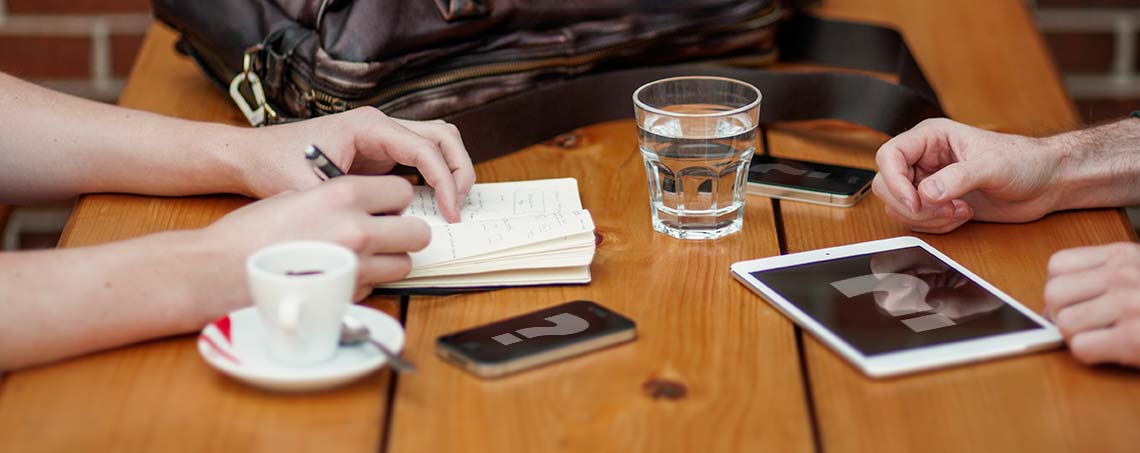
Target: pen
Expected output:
[321,163]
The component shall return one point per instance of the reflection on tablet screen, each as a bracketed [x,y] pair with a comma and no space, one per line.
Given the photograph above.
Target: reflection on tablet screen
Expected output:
[894,300]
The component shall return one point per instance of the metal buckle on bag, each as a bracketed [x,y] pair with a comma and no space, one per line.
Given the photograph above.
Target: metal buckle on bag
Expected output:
[263,113]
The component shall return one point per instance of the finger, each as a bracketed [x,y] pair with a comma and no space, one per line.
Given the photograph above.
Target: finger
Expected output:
[454,152]
[896,172]
[379,269]
[372,194]
[1079,259]
[395,234]
[953,181]
[409,148]
[1117,344]
[936,225]
[1099,313]
[1068,289]
[905,213]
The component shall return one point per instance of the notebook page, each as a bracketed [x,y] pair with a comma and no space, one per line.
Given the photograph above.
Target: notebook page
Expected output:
[502,199]
[462,240]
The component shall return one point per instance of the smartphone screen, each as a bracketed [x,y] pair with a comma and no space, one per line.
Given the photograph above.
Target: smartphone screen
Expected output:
[535,338]
[798,174]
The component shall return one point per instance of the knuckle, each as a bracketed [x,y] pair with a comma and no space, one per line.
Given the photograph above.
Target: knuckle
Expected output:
[933,123]
[1125,252]
[401,265]
[1066,322]
[1082,352]
[1053,290]
[420,234]
[368,113]
[1131,333]
[451,130]
[1125,276]
[400,190]
[353,235]
[342,191]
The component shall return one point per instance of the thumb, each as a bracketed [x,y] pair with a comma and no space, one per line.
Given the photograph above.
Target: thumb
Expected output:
[953,181]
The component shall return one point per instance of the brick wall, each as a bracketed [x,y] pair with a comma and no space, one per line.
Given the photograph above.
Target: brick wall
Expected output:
[84,47]
[1096,44]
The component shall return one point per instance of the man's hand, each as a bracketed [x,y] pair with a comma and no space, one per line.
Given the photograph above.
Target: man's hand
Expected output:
[338,211]
[362,141]
[1093,295]
[940,174]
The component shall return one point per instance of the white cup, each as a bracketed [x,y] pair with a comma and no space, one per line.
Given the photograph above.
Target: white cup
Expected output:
[302,290]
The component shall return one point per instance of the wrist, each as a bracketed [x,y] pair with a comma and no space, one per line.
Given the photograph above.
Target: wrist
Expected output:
[211,273]
[1066,155]
[228,156]
[1101,166]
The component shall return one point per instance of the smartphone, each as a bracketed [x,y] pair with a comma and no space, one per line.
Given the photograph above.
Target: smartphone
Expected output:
[535,339]
[811,182]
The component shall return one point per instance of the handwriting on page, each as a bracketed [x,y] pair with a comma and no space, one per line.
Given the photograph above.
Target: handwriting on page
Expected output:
[462,240]
[500,200]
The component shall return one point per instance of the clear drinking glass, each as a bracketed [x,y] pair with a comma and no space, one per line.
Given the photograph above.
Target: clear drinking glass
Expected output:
[697,136]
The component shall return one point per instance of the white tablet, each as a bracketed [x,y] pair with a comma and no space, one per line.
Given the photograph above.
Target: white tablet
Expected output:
[896,306]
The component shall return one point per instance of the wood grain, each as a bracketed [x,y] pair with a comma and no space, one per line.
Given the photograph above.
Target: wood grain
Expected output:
[991,70]
[735,356]
[160,396]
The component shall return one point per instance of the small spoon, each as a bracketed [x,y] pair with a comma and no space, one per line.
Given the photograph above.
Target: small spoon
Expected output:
[352,331]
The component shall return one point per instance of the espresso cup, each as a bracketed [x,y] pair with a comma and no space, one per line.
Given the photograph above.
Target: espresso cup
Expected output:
[302,290]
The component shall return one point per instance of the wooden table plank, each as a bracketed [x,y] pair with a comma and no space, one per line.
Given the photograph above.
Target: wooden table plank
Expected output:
[736,356]
[160,396]
[990,68]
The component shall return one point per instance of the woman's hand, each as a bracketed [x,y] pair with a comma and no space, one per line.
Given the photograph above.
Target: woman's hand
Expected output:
[338,211]
[363,141]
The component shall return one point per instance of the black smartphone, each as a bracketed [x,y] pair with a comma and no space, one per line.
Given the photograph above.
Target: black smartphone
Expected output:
[536,338]
[790,179]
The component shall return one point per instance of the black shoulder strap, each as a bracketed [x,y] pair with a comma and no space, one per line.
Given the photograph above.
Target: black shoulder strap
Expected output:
[520,120]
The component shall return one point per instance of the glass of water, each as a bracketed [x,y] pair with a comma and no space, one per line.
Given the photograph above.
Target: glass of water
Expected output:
[697,136]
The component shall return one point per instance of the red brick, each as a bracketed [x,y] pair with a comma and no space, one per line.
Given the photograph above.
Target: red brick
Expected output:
[77,6]
[124,49]
[1101,110]
[45,56]
[1081,52]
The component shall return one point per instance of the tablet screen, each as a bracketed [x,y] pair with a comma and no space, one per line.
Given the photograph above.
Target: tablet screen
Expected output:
[894,300]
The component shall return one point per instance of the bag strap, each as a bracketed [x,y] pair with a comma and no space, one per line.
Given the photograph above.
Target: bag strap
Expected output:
[514,122]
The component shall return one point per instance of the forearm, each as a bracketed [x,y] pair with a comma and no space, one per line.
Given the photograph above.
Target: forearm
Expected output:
[56,146]
[60,303]
[1098,167]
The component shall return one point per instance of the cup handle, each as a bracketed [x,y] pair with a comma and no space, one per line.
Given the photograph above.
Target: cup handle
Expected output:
[289,314]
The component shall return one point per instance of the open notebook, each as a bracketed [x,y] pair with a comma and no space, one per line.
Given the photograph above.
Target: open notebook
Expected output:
[511,234]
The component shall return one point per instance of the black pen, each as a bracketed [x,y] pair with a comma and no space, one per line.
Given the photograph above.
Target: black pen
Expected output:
[321,163]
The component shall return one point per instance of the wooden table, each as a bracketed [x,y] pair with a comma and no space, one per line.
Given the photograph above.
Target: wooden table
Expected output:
[751,380]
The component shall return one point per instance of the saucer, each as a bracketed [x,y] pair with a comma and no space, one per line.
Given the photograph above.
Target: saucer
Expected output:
[235,345]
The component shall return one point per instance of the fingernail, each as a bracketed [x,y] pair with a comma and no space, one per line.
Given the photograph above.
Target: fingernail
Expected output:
[946,211]
[960,213]
[933,190]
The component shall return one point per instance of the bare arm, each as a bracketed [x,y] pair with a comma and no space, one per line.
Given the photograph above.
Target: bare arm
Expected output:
[57,146]
[59,303]
[1104,167]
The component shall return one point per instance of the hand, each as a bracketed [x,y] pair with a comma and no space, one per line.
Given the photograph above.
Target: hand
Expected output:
[362,141]
[337,211]
[1093,296]
[940,174]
